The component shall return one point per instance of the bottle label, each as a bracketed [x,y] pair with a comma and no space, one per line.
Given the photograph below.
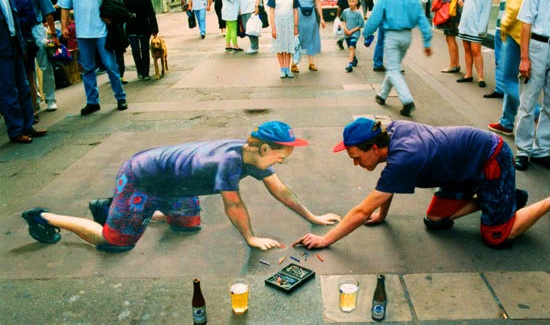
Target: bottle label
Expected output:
[199,315]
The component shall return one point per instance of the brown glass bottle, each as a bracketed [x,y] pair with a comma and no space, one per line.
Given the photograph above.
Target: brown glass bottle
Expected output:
[198,304]
[379,299]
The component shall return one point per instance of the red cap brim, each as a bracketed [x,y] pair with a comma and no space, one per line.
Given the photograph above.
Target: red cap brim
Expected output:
[339,147]
[296,143]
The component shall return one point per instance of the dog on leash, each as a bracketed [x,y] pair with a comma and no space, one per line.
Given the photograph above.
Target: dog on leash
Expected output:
[159,52]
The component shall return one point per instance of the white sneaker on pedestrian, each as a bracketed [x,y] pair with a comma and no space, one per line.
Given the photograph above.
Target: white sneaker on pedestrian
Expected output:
[251,51]
[52,106]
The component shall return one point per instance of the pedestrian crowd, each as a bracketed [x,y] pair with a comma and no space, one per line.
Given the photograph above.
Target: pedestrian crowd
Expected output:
[101,31]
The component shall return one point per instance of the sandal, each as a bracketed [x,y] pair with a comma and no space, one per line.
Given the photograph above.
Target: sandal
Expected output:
[294,68]
[312,67]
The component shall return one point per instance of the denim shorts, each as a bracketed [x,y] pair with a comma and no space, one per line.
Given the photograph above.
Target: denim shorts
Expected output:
[351,42]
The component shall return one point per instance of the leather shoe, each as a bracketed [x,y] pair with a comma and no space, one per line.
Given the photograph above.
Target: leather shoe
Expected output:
[36,133]
[89,109]
[21,139]
[543,161]
[521,162]
[380,100]
[122,105]
[407,109]
[494,94]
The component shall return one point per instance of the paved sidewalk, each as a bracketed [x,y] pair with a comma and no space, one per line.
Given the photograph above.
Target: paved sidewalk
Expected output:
[446,277]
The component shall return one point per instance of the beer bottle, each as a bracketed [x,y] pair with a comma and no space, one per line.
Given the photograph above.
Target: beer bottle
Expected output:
[379,299]
[198,304]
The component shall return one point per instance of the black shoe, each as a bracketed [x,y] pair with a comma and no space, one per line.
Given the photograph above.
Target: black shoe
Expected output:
[444,223]
[380,100]
[543,161]
[39,228]
[349,68]
[379,69]
[461,80]
[100,209]
[89,109]
[521,162]
[521,198]
[340,43]
[482,84]
[407,109]
[494,94]
[355,61]
[122,105]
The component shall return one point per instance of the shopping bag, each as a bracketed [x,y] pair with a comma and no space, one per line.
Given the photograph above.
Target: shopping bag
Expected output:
[254,26]
[338,28]
[297,51]
[192,21]
[62,55]
[452,8]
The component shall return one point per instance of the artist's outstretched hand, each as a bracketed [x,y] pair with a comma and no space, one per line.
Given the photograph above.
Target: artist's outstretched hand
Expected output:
[263,243]
[311,241]
[326,219]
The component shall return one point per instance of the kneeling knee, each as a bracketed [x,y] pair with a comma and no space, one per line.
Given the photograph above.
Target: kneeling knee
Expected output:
[440,223]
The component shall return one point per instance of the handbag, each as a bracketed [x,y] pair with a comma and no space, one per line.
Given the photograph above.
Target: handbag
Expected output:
[452,8]
[263,16]
[62,55]
[442,14]
[191,20]
[241,32]
[306,11]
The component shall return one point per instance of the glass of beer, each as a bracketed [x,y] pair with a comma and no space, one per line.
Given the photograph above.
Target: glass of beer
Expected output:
[348,288]
[239,295]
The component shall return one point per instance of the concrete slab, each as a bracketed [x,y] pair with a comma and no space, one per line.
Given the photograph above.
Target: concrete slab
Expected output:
[397,308]
[260,73]
[442,296]
[39,147]
[524,295]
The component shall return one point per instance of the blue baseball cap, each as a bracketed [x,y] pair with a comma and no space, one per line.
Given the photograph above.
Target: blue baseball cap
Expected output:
[278,132]
[358,131]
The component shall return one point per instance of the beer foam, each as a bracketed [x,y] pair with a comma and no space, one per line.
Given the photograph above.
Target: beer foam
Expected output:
[348,288]
[239,288]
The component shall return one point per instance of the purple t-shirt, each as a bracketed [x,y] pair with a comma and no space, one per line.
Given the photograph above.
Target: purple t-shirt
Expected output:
[426,156]
[192,169]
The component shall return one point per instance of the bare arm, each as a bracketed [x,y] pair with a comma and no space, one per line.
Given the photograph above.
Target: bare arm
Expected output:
[51,25]
[353,219]
[319,8]
[282,193]
[64,19]
[272,22]
[295,21]
[238,214]
[525,63]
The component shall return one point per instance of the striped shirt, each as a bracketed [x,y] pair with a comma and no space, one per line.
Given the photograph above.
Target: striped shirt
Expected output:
[501,10]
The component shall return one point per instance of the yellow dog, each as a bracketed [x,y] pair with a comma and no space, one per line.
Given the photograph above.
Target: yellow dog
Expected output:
[159,51]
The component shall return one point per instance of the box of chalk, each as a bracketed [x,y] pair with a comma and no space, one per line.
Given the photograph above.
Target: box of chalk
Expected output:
[290,277]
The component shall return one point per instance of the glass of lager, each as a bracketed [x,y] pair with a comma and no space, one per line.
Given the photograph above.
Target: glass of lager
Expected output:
[348,288]
[239,295]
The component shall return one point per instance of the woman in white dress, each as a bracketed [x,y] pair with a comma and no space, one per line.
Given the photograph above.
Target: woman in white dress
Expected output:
[284,28]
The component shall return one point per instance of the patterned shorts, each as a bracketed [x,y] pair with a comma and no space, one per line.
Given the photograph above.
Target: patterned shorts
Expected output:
[496,196]
[132,210]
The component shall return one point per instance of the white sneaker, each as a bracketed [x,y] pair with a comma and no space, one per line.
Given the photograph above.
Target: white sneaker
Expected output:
[251,51]
[52,106]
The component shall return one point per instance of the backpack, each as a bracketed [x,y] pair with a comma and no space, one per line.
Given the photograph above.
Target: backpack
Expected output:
[27,17]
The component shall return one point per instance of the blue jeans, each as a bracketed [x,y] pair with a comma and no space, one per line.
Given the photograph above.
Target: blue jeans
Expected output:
[87,47]
[531,141]
[508,71]
[15,95]
[201,17]
[396,45]
[499,87]
[379,50]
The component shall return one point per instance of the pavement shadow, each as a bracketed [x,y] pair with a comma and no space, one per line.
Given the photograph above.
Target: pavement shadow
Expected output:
[33,247]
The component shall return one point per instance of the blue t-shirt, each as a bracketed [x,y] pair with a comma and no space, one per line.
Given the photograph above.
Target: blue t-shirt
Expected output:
[86,17]
[426,156]
[192,169]
[353,19]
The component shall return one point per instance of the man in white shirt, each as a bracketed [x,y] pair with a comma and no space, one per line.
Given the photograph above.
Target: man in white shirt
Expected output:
[535,77]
